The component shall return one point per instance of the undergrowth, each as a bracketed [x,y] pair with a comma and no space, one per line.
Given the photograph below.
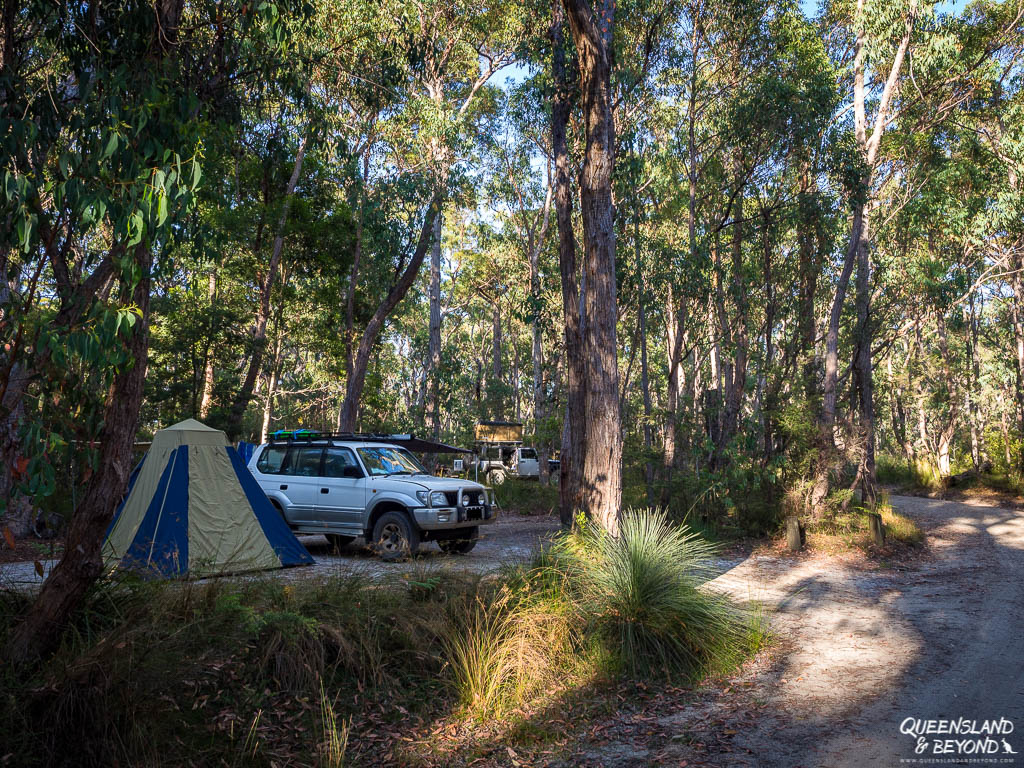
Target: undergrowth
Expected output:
[261,672]
[522,496]
[851,529]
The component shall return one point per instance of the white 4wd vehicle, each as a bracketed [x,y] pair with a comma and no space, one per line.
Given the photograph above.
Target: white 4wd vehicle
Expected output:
[500,461]
[352,486]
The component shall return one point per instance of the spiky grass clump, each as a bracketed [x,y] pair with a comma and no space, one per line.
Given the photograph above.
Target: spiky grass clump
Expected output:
[507,648]
[640,592]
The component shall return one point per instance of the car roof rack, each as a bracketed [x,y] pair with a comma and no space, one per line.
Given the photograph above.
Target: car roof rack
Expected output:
[409,441]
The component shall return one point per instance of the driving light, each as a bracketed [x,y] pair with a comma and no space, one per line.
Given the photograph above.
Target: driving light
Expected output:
[465,500]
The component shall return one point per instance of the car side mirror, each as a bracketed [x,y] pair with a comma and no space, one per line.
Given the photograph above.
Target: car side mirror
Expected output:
[351,471]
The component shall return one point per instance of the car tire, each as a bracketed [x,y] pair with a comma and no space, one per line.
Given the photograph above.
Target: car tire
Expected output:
[496,477]
[459,546]
[395,537]
[337,541]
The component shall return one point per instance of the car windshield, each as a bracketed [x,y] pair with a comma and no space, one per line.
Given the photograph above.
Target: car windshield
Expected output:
[384,460]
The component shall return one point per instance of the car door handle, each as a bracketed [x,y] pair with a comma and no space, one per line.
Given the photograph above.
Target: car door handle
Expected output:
[325,490]
[284,487]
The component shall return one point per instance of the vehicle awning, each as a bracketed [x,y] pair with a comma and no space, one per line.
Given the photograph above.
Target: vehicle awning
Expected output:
[419,445]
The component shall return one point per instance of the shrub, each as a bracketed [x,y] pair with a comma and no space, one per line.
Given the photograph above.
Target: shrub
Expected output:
[527,497]
[921,474]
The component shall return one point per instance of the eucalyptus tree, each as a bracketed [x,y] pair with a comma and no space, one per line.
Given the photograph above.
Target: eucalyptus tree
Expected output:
[107,106]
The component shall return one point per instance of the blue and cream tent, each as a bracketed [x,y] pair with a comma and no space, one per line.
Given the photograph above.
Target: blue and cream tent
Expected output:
[193,507]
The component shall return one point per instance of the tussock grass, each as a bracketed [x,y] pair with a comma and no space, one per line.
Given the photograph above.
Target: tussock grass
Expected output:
[597,606]
[505,651]
[640,593]
[334,740]
[900,527]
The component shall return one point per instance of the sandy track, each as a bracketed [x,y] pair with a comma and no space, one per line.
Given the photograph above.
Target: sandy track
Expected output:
[862,649]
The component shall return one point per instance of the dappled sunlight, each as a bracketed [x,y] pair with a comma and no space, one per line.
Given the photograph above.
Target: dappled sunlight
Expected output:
[842,623]
[1009,532]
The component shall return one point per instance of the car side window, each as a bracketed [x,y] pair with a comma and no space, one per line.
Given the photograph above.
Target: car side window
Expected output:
[271,460]
[303,462]
[336,460]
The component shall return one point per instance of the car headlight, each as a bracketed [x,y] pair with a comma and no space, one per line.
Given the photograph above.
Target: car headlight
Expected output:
[424,497]
[438,499]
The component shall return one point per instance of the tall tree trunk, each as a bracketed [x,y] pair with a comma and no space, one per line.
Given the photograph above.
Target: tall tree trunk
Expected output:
[1017,315]
[810,267]
[537,358]
[272,380]
[645,389]
[207,397]
[769,403]
[864,377]
[974,389]
[535,243]
[868,145]
[433,373]
[356,381]
[573,432]
[434,347]
[81,564]
[602,464]
[948,429]
[673,350]
[497,399]
[259,330]
[828,394]
[353,280]
[736,375]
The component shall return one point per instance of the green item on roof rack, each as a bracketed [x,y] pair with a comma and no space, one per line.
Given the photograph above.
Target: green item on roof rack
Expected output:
[284,434]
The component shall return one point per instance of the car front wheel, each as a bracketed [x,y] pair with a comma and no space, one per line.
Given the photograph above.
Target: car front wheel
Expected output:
[394,537]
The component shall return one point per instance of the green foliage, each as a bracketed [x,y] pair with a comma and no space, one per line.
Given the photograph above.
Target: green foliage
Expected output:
[640,593]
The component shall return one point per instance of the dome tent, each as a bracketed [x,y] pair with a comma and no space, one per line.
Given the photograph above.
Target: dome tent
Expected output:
[194,508]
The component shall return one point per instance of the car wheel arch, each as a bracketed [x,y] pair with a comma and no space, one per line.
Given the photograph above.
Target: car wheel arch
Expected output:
[382,506]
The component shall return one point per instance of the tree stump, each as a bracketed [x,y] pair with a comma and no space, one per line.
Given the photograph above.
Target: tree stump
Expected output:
[877,529]
[795,535]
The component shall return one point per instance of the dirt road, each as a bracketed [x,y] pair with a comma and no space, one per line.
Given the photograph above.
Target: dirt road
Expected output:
[863,649]
[512,538]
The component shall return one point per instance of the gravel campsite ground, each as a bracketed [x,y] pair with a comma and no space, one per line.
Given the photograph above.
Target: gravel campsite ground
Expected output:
[860,645]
